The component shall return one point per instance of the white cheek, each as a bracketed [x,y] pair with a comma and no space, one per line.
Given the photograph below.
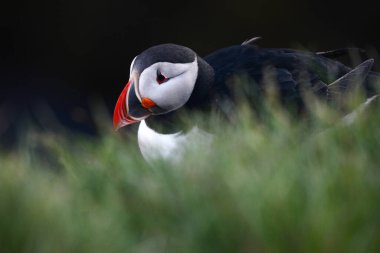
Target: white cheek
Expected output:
[174,93]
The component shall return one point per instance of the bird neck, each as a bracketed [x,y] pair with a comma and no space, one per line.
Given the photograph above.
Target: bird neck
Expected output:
[203,84]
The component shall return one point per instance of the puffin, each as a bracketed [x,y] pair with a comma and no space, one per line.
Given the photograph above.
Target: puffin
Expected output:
[167,80]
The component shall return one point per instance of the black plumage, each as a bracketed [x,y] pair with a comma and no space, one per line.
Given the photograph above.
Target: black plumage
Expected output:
[246,70]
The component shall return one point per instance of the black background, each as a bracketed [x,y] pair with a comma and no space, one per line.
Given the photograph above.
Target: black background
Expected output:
[64,55]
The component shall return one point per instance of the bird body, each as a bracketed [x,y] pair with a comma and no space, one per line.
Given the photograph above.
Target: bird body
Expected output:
[154,145]
[168,79]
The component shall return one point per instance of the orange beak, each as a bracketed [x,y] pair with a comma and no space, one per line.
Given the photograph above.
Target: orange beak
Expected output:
[129,109]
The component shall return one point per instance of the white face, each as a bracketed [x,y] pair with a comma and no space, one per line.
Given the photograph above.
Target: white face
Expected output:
[169,85]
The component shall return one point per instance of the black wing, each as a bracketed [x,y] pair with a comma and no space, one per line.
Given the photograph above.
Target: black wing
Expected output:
[291,71]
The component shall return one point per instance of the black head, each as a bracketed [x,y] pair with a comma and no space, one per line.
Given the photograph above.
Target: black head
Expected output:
[162,79]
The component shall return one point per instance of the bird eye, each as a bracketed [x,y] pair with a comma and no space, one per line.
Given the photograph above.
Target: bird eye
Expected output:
[161,78]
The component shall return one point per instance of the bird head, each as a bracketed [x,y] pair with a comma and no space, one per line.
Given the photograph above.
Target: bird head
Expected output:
[162,79]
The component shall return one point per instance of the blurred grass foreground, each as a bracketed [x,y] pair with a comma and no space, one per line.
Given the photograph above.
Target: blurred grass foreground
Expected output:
[276,186]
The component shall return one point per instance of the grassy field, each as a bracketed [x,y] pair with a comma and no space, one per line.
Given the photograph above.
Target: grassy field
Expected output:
[275,186]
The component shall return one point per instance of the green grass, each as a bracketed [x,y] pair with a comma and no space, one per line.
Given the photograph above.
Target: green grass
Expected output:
[277,186]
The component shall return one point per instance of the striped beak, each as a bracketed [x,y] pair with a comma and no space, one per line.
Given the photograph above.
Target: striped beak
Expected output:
[129,109]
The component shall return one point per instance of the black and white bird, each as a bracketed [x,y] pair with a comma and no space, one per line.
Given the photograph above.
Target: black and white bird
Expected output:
[167,78]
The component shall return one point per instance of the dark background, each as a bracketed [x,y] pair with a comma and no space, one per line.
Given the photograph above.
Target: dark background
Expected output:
[61,57]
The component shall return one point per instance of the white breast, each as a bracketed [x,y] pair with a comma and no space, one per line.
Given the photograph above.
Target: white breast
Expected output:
[171,147]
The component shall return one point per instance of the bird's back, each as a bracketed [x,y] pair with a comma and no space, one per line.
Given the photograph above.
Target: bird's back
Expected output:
[249,71]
